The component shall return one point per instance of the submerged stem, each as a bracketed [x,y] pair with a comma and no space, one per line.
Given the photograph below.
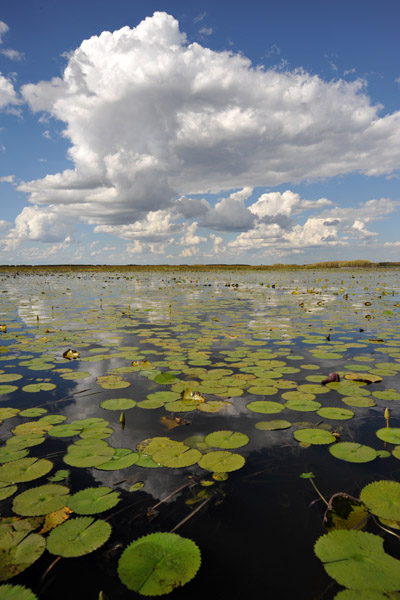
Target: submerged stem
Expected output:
[318,492]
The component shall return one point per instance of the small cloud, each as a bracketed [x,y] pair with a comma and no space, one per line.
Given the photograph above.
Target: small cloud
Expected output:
[7,179]
[274,49]
[349,72]
[12,54]
[397,80]
[206,30]
[199,17]
[46,134]
[3,29]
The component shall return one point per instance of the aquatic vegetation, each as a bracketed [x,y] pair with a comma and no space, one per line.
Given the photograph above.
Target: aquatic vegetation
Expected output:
[185,363]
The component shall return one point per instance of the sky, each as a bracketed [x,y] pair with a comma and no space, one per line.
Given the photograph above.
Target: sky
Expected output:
[154,132]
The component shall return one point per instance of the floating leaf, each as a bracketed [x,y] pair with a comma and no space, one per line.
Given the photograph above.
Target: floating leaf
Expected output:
[226,439]
[314,436]
[345,512]
[273,425]
[332,412]
[383,499]
[221,461]
[387,395]
[7,389]
[303,405]
[8,412]
[33,412]
[41,500]
[118,404]
[16,592]
[67,430]
[176,456]
[84,455]
[121,459]
[267,407]
[93,500]
[25,469]
[165,378]
[358,401]
[136,486]
[55,518]
[353,452]
[38,387]
[389,434]
[18,549]
[25,440]
[357,560]
[7,490]
[10,453]
[59,475]
[78,536]
[157,563]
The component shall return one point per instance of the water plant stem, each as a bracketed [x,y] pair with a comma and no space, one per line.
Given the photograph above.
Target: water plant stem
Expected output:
[318,492]
[196,510]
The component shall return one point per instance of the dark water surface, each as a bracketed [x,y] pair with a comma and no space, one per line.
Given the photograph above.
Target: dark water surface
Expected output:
[257,531]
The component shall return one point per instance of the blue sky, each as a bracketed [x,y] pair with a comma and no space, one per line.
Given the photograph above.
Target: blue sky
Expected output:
[199,132]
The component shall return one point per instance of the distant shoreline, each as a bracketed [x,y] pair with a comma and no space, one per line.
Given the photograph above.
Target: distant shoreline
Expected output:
[350,264]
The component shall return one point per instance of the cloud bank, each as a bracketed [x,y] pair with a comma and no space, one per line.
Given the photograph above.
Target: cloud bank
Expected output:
[153,120]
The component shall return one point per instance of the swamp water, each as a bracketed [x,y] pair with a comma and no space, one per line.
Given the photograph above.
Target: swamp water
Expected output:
[228,365]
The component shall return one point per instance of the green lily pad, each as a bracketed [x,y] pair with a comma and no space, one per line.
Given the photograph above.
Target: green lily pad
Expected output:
[157,563]
[221,461]
[7,377]
[357,560]
[383,499]
[314,436]
[273,425]
[16,592]
[88,455]
[7,490]
[25,440]
[38,387]
[389,434]
[353,452]
[93,500]
[19,549]
[332,412]
[118,404]
[358,401]
[303,405]
[33,412]
[226,439]
[75,375]
[176,457]
[8,413]
[267,407]
[67,430]
[387,395]
[10,453]
[165,378]
[7,389]
[77,537]
[121,459]
[25,469]
[41,500]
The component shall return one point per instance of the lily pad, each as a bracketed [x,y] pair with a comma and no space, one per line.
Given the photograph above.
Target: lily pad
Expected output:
[93,500]
[345,512]
[16,592]
[353,452]
[332,412]
[383,499]
[314,436]
[226,439]
[357,560]
[25,469]
[389,434]
[77,537]
[221,461]
[273,425]
[118,404]
[41,500]
[157,563]
[267,407]
[18,549]
[121,459]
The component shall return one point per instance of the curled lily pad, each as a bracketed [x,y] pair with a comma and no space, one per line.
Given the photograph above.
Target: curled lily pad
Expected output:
[77,537]
[93,500]
[357,560]
[41,500]
[345,512]
[383,499]
[157,563]
[353,452]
